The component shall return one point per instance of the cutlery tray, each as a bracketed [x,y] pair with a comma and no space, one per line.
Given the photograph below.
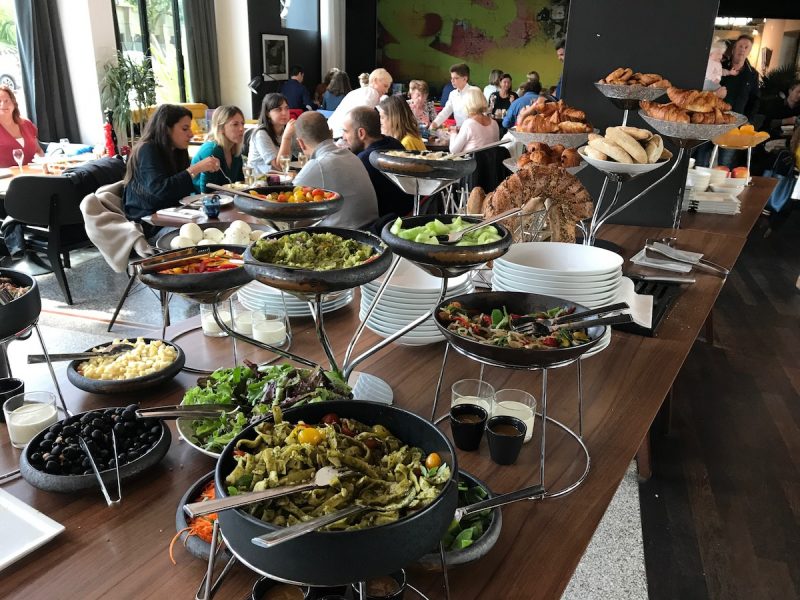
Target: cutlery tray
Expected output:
[664,294]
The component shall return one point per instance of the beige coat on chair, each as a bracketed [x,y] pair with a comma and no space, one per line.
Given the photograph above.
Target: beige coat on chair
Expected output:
[110,230]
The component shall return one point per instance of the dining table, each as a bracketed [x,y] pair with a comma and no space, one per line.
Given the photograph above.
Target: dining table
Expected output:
[122,552]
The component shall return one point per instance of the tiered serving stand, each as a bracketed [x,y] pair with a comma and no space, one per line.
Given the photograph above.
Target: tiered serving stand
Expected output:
[627,97]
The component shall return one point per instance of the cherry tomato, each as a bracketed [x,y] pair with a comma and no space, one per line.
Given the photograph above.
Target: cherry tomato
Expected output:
[330,419]
[318,198]
[433,460]
[310,435]
[347,431]
[371,443]
[317,192]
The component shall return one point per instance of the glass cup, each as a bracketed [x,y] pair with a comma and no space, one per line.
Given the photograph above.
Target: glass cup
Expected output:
[516,403]
[271,327]
[249,177]
[27,414]
[210,327]
[9,387]
[242,318]
[473,391]
[302,159]
[284,161]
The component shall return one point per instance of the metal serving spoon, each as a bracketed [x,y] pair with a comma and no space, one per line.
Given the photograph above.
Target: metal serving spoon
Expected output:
[454,237]
[112,350]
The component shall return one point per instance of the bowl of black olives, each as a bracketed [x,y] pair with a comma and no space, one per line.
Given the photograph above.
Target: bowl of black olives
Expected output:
[54,461]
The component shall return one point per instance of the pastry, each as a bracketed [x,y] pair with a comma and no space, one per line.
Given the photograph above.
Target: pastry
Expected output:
[595,153]
[612,150]
[654,147]
[696,101]
[665,112]
[627,143]
[636,132]
[475,201]
[570,158]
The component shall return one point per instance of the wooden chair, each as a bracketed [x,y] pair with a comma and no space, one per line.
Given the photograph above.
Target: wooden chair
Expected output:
[48,207]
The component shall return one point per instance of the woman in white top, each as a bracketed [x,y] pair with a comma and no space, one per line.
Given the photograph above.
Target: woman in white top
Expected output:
[273,136]
[494,83]
[379,83]
[478,129]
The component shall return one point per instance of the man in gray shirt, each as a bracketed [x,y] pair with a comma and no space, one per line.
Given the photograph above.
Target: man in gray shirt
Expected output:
[336,169]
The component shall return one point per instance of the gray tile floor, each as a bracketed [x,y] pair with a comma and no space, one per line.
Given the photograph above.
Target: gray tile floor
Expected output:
[613,565]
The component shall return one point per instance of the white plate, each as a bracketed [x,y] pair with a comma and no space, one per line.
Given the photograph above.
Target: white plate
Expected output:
[295,311]
[612,166]
[559,293]
[416,299]
[196,200]
[409,277]
[560,258]
[604,343]
[508,269]
[499,287]
[23,529]
[575,283]
[579,287]
[396,324]
[408,340]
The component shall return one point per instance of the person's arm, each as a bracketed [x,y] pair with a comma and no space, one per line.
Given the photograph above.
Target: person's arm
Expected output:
[459,141]
[444,115]
[266,152]
[511,116]
[154,187]
[286,145]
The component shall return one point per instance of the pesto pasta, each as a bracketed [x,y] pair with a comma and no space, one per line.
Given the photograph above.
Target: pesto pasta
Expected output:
[388,475]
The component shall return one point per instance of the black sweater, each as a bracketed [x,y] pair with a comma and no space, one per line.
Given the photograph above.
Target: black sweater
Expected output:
[153,186]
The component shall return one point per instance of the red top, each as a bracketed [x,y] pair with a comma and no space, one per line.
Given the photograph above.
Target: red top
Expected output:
[8,143]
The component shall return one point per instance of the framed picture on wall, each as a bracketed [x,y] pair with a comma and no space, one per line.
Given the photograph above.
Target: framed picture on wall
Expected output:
[275,49]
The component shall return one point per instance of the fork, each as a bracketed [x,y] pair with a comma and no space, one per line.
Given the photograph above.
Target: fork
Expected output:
[323,478]
[543,326]
[536,328]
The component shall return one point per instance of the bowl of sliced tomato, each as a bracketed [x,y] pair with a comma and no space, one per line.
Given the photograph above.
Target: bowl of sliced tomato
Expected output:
[289,203]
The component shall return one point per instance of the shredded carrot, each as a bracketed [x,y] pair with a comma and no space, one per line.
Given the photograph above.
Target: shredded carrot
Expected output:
[202,527]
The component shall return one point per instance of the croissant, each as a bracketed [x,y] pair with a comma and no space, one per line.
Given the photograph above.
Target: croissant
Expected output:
[523,160]
[573,127]
[573,114]
[662,83]
[695,100]
[703,118]
[570,158]
[665,112]
[534,146]
[540,158]
[556,150]
[649,78]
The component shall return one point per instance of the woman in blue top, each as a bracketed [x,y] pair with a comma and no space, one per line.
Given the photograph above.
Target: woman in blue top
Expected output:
[225,144]
[338,88]
[158,173]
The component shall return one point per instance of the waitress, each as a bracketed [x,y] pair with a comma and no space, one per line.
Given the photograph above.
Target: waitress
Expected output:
[225,144]
[16,133]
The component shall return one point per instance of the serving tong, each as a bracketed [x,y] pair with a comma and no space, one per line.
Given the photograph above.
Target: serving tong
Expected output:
[111,502]
[198,411]
[171,259]
[607,315]
[673,254]
[454,237]
[111,350]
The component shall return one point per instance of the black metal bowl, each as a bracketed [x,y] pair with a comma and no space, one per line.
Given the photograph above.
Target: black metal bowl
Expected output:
[19,314]
[205,288]
[519,303]
[482,545]
[164,241]
[194,545]
[441,260]
[73,483]
[345,556]
[423,168]
[286,211]
[305,281]
[118,386]
[263,585]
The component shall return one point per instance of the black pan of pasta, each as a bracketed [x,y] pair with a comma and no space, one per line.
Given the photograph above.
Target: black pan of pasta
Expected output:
[369,543]
[500,352]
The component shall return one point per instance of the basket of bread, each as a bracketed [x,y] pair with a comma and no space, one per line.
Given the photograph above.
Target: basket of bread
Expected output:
[539,153]
[624,84]
[552,123]
[625,150]
[691,114]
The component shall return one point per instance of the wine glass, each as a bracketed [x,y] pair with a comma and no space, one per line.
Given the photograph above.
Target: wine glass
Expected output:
[18,155]
[284,161]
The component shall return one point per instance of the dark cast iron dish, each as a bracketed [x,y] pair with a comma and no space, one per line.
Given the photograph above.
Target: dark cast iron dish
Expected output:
[285,211]
[205,288]
[111,386]
[477,550]
[74,483]
[444,260]
[164,241]
[424,168]
[338,558]
[194,545]
[520,303]
[21,313]
[306,281]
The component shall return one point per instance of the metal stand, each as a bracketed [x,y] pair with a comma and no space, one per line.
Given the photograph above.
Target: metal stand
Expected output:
[749,149]
[577,437]
[418,186]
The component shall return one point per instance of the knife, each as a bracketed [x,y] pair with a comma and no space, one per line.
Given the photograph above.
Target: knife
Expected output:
[666,278]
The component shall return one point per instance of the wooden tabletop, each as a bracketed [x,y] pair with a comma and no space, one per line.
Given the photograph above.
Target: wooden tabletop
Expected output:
[122,552]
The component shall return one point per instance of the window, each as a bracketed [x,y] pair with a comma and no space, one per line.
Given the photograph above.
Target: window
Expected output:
[155,28]
[10,69]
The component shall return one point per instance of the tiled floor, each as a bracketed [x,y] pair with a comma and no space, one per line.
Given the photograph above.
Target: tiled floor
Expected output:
[613,566]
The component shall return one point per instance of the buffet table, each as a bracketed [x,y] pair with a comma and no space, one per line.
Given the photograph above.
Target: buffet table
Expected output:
[122,552]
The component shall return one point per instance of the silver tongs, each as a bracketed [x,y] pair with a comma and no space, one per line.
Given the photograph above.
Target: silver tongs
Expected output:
[169,260]
[198,411]
[605,315]
[103,488]
[700,263]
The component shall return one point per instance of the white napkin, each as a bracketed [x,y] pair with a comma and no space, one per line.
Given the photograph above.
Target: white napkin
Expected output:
[659,263]
[641,305]
[678,254]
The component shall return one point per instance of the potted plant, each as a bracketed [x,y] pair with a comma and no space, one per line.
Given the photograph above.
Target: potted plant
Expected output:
[129,87]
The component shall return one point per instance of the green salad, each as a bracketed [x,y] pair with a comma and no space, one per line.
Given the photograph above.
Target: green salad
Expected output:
[252,391]
[426,234]
[463,534]
[313,251]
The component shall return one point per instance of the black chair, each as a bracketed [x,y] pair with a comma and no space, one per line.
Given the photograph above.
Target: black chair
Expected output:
[48,208]
[489,171]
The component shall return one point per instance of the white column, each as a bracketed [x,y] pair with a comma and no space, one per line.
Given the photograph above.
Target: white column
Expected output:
[332,34]
[233,47]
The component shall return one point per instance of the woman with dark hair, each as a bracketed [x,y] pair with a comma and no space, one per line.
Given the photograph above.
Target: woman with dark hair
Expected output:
[337,89]
[494,83]
[159,173]
[502,99]
[225,143]
[273,136]
[16,133]
[319,91]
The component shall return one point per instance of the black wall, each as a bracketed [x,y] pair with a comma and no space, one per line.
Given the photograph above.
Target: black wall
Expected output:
[361,21]
[671,39]
[304,46]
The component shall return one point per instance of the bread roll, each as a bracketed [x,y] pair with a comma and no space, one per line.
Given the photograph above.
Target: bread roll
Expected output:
[614,151]
[654,147]
[627,143]
[475,201]
[595,153]
[636,132]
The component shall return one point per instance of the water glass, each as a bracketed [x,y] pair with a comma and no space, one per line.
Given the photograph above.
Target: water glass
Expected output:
[249,176]
[284,163]
[210,326]
[302,159]
[473,391]
[516,403]
[271,327]
[27,414]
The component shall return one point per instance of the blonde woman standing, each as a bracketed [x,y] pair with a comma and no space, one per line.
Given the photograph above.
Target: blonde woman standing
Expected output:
[478,129]
[225,144]
[379,83]
[399,122]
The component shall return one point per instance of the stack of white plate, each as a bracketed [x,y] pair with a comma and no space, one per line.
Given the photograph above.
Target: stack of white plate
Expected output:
[718,203]
[257,296]
[411,292]
[584,274]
